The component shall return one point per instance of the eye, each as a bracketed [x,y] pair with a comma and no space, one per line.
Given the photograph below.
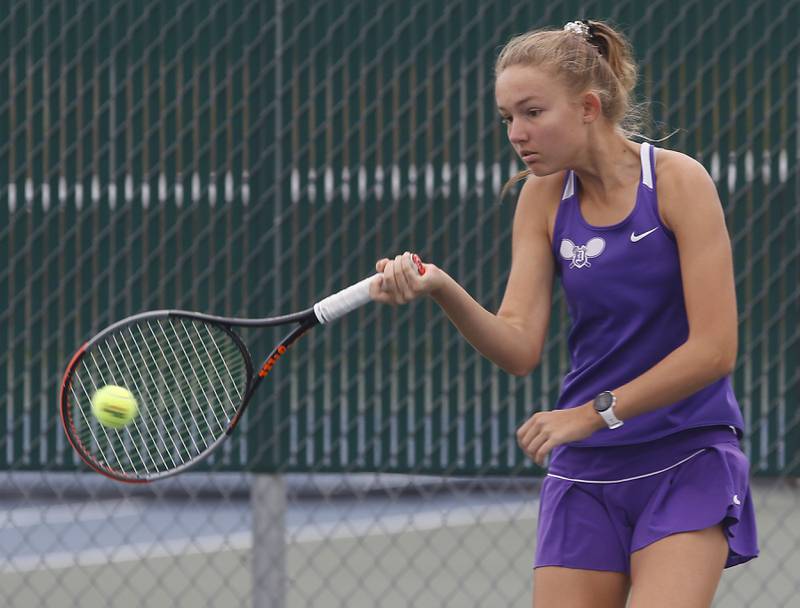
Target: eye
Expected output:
[533,112]
[506,120]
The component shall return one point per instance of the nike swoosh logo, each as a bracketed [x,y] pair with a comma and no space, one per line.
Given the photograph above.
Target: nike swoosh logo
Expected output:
[638,237]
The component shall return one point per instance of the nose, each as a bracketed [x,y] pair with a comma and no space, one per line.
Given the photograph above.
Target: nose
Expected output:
[516,132]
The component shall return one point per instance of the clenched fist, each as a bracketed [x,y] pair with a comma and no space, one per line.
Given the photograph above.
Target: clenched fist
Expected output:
[404,279]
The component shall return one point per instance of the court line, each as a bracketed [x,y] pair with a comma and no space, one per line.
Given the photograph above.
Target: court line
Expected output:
[336,530]
[68,513]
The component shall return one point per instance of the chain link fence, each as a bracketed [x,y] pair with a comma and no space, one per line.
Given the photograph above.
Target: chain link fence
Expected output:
[246,158]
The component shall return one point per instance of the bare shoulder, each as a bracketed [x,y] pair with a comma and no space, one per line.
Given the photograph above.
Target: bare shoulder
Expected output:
[538,202]
[682,181]
[675,165]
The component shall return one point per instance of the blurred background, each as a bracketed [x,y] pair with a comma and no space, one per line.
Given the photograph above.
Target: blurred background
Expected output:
[249,157]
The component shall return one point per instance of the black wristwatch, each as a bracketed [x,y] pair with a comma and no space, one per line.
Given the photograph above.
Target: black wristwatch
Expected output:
[604,405]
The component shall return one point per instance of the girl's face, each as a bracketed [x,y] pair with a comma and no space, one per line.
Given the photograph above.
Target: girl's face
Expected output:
[544,124]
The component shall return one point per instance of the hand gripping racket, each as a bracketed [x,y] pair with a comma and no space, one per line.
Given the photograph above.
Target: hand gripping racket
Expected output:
[192,378]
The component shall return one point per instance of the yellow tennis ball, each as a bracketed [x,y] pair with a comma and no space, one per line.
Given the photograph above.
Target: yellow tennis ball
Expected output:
[114,406]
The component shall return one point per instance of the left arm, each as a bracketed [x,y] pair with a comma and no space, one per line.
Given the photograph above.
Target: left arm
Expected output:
[694,212]
[691,208]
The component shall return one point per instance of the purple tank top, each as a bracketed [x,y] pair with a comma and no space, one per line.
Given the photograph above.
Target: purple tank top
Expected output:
[625,298]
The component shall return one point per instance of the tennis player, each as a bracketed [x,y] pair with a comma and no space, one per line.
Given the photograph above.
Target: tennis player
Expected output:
[646,497]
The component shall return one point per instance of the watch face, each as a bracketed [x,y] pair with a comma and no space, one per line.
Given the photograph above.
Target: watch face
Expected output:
[603,401]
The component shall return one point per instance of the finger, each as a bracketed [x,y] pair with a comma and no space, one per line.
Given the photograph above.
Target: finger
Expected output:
[412,276]
[408,277]
[418,263]
[532,430]
[396,277]
[390,282]
[376,292]
[402,279]
[381,264]
[534,444]
[408,259]
[384,298]
[543,451]
[522,431]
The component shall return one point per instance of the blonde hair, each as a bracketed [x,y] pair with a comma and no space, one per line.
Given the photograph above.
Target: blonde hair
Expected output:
[601,61]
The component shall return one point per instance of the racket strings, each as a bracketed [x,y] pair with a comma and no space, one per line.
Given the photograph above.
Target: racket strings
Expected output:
[188,377]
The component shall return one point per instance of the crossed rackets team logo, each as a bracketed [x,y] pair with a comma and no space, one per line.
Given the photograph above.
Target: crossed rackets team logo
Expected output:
[580,254]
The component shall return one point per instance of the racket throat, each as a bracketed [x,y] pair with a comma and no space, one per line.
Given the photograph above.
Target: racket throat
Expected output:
[267,366]
[272,360]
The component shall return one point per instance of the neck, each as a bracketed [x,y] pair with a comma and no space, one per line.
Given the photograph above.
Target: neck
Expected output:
[610,163]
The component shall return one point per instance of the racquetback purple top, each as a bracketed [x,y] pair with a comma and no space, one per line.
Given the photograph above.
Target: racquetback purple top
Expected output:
[625,298]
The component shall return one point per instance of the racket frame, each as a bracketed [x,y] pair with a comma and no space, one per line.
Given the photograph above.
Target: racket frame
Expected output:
[325,311]
[305,319]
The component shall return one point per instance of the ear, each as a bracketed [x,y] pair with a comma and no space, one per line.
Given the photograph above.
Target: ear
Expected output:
[592,107]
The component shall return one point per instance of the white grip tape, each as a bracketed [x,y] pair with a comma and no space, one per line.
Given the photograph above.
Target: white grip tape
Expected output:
[343,302]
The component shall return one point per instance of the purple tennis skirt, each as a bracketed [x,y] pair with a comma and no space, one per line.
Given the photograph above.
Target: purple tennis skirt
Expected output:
[599,505]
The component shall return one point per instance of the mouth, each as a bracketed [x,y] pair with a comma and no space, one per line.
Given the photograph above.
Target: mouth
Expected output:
[528,156]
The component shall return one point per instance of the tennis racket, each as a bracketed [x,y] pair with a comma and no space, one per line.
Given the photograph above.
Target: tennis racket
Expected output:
[192,377]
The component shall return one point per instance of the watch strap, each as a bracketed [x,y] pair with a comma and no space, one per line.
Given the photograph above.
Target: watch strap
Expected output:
[611,420]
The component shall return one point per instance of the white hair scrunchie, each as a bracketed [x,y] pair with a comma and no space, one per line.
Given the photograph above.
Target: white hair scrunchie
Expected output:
[578,27]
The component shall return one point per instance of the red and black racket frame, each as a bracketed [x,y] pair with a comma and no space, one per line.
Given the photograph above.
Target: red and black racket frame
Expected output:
[305,320]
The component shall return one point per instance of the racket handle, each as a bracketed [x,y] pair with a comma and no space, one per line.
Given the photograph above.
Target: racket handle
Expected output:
[344,301]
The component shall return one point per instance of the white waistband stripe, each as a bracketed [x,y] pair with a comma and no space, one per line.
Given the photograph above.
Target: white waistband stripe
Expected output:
[629,478]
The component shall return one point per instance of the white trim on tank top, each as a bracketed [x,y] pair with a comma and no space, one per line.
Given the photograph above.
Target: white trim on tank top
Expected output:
[569,187]
[647,173]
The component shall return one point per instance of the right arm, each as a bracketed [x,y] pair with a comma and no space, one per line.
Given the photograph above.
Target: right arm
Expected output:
[514,337]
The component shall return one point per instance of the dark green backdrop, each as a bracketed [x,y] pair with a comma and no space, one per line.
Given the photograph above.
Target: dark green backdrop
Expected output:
[248,157]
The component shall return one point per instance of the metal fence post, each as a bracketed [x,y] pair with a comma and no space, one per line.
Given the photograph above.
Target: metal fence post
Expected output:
[268,506]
